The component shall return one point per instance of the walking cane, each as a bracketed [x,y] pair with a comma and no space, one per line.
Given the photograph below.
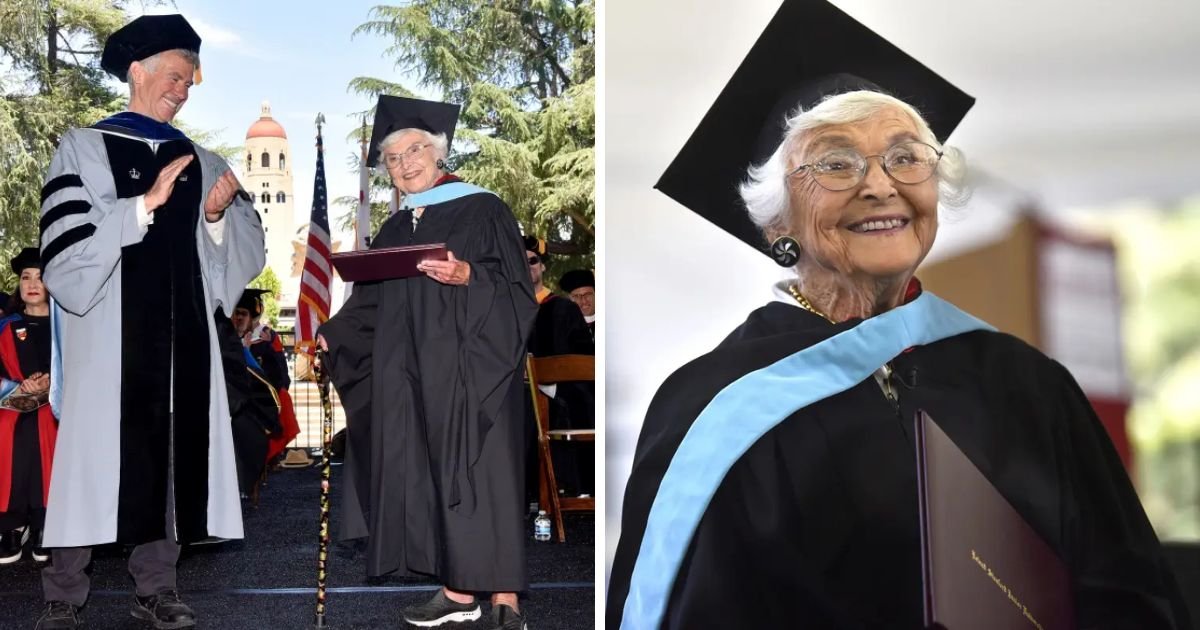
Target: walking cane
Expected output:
[326,439]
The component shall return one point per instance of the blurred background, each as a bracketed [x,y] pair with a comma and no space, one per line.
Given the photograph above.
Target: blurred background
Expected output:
[1083,235]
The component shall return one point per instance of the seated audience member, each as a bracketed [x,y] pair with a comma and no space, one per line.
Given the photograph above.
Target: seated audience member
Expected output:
[560,328]
[580,284]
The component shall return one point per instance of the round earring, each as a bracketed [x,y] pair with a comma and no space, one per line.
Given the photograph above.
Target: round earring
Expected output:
[785,251]
[440,164]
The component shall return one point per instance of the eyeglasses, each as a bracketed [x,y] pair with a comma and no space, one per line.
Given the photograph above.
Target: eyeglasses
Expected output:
[533,260]
[843,169]
[396,159]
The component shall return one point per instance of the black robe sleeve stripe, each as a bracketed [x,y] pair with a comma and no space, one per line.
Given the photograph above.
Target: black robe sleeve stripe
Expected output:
[65,240]
[59,183]
[66,208]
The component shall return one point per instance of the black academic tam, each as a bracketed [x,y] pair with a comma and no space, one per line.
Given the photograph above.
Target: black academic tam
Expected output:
[816,526]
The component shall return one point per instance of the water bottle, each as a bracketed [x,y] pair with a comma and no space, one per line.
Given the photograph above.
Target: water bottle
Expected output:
[541,527]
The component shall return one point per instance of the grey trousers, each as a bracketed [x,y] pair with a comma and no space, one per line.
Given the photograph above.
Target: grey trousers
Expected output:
[152,564]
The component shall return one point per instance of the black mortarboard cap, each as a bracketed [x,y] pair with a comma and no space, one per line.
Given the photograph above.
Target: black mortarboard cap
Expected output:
[577,278]
[251,300]
[393,113]
[145,37]
[810,50]
[29,257]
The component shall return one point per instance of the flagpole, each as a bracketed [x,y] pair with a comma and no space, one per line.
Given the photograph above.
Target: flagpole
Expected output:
[363,224]
[362,214]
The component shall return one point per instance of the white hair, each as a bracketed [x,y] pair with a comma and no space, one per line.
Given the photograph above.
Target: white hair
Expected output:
[766,192]
[151,63]
[441,148]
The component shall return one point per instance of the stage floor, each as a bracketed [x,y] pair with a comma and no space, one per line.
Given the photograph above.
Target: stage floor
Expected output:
[268,580]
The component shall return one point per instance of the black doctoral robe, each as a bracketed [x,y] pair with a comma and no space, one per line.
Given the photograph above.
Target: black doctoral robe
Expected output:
[816,526]
[561,329]
[430,377]
[163,314]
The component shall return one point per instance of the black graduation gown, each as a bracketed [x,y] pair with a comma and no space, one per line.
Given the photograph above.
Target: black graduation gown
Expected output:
[253,407]
[430,377]
[561,329]
[816,526]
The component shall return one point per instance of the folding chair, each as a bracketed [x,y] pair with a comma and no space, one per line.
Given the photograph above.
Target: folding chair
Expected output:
[546,371]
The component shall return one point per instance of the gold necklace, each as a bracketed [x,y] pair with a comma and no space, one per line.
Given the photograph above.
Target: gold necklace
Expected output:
[806,305]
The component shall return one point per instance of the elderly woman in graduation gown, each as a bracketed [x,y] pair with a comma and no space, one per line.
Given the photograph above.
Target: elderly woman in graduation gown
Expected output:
[775,483]
[428,368]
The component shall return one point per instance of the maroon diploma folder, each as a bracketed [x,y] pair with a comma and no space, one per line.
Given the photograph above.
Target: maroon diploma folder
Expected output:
[984,567]
[386,263]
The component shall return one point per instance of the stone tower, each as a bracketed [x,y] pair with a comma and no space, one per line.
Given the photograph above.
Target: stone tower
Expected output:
[267,176]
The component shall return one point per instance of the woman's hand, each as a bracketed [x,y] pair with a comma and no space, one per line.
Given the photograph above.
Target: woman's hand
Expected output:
[35,384]
[451,271]
[321,343]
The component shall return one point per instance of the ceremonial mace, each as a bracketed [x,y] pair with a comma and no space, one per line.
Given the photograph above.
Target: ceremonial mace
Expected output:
[322,375]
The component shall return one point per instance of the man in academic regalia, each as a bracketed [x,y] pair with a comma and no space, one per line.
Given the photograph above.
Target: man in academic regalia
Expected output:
[560,328]
[263,342]
[265,346]
[147,241]
[580,285]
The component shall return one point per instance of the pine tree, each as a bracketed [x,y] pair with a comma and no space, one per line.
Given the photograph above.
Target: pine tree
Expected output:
[51,50]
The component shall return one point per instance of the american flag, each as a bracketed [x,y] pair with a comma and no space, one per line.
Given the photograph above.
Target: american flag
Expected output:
[313,309]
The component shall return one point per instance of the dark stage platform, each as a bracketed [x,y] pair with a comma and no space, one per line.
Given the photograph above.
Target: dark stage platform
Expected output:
[268,580]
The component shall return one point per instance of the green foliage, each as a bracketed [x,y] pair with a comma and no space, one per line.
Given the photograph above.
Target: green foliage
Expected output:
[1160,286]
[44,92]
[269,281]
[524,72]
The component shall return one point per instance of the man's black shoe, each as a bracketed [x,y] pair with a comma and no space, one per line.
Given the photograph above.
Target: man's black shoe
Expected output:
[165,610]
[59,616]
[505,618]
